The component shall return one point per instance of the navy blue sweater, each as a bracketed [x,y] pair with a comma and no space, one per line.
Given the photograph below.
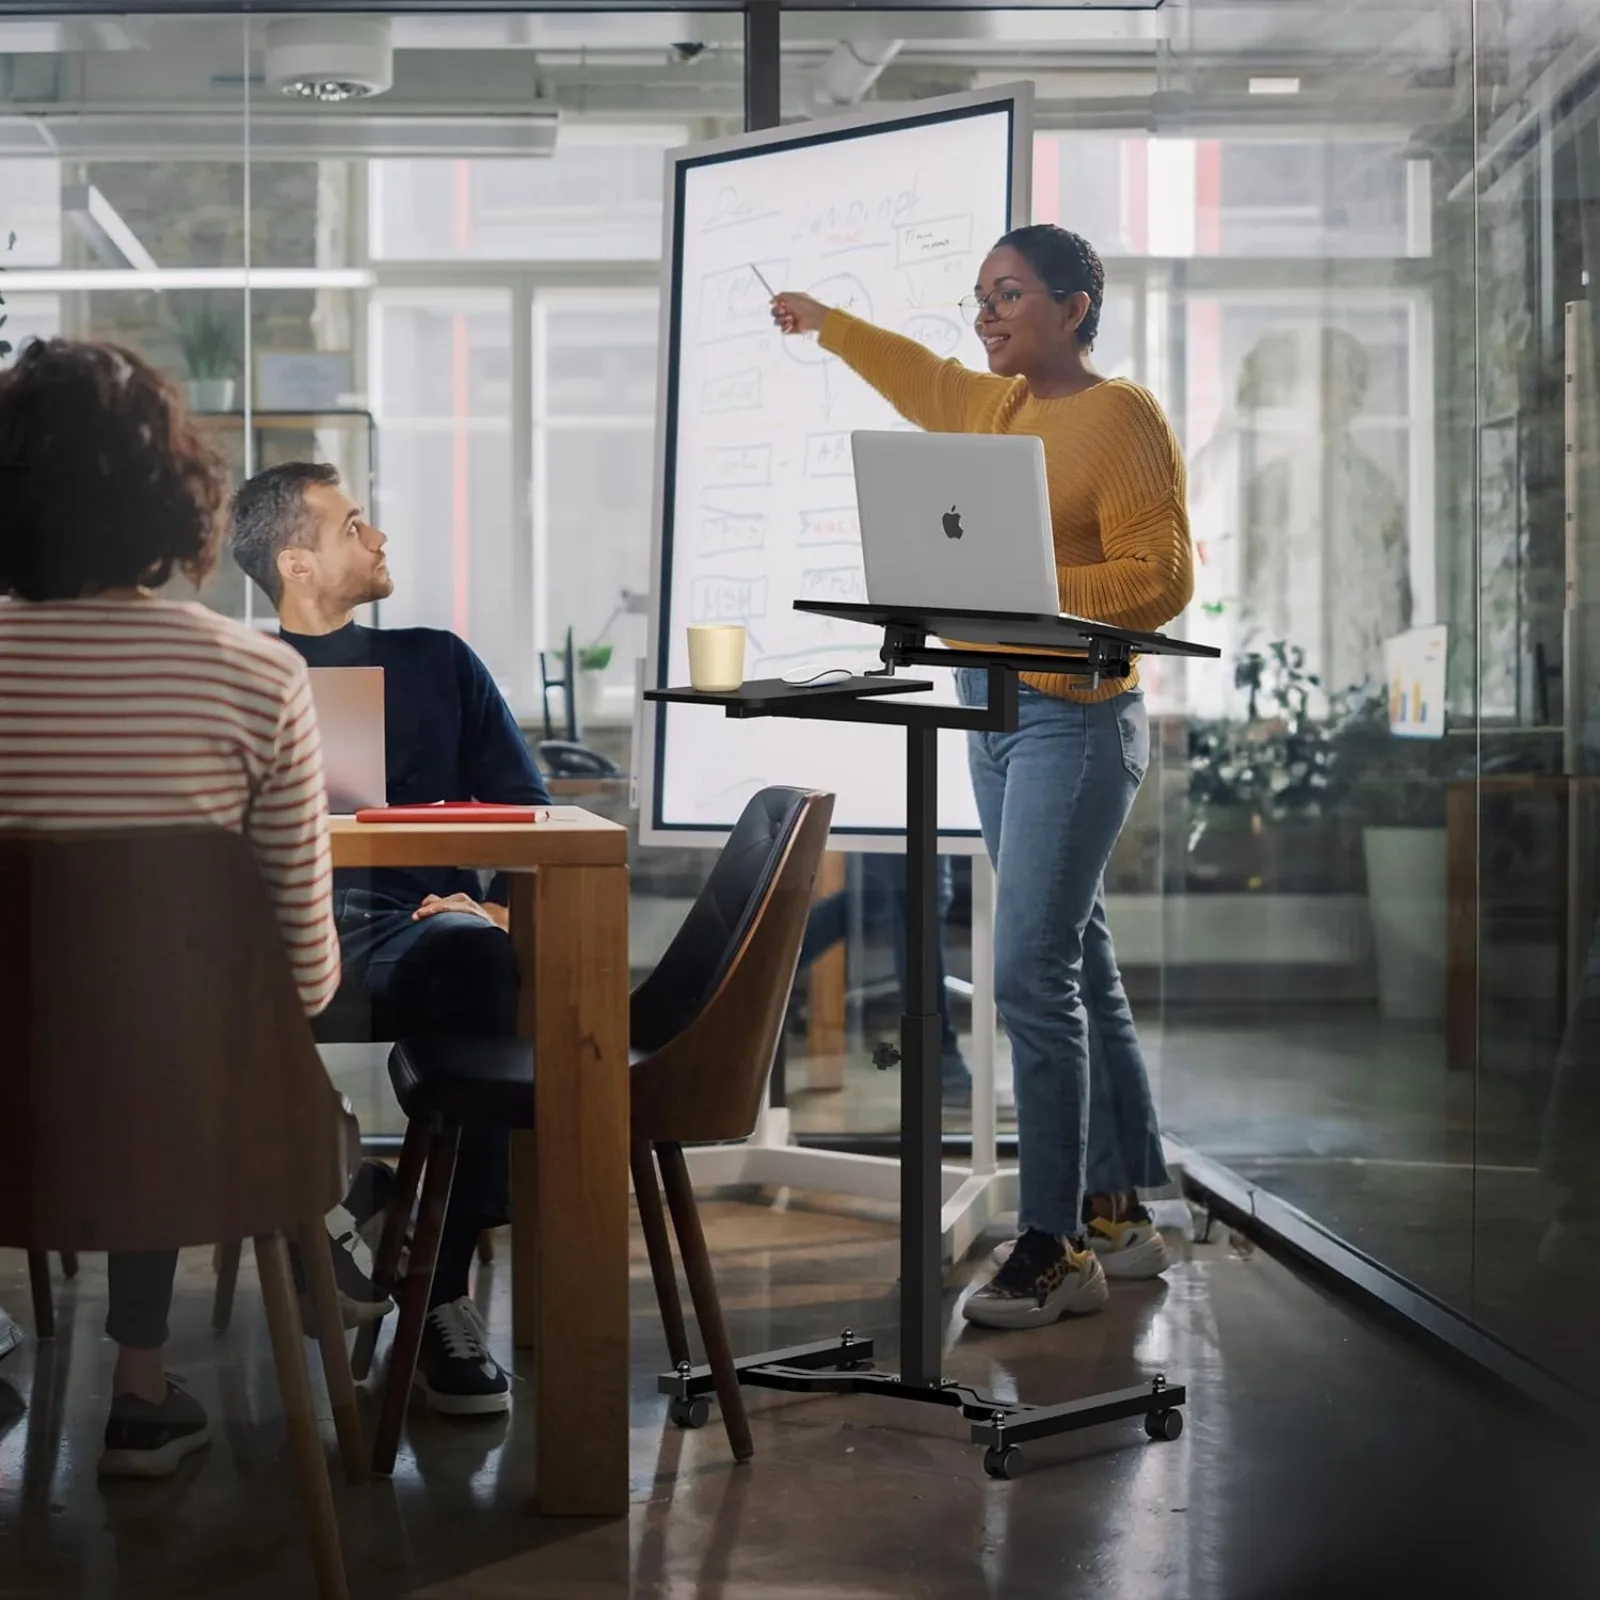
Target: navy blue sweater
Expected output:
[448,735]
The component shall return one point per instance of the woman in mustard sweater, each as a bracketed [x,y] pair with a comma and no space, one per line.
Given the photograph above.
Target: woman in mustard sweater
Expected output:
[1053,796]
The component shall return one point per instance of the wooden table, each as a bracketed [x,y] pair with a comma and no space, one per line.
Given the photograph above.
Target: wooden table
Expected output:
[569,923]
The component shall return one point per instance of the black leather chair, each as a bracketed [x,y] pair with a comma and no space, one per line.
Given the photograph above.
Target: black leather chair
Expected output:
[704,1027]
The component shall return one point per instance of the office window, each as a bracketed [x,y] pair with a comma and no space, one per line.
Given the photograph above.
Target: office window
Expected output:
[593,473]
[1310,481]
[30,212]
[441,392]
[1294,199]
[597,198]
[29,316]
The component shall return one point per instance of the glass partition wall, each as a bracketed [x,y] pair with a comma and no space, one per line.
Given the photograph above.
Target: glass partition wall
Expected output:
[1352,252]
[1383,329]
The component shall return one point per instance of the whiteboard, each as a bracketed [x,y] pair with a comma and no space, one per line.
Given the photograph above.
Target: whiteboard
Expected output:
[889,217]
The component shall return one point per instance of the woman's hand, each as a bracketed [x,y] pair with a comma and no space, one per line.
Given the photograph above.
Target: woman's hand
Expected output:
[798,313]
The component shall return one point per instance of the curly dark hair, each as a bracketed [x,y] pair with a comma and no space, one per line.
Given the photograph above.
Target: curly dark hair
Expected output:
[1067,264]
[105,482]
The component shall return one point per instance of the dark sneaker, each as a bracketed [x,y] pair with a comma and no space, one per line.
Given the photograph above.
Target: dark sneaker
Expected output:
[359,1302]
[1044,1278]
[454,1368]
[144,1440]
[10,1335]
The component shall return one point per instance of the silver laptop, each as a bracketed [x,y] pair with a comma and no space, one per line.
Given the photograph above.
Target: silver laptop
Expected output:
[956,520]
[349,702]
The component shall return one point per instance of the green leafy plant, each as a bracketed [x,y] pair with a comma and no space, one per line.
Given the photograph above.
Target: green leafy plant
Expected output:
[1302,754]
[1279,764]
[594,658]
[209,339]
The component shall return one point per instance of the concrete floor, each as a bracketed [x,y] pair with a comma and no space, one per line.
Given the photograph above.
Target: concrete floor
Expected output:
[1325,1455]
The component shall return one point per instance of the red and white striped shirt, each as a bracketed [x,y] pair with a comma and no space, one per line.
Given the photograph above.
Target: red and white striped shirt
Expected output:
[144,714]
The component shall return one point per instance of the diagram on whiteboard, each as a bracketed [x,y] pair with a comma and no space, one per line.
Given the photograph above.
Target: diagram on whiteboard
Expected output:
[890,223]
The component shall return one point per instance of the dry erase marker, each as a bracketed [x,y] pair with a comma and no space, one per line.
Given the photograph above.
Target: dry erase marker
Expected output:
[762,281]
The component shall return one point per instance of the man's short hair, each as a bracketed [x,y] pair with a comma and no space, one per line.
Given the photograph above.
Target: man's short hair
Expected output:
[268,514]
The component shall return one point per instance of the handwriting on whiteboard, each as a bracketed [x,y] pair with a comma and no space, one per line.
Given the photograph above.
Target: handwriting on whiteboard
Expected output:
[738,466]
[725,532]
[847,585]
[830,525]
[932,241]
[727,599]
[828,456]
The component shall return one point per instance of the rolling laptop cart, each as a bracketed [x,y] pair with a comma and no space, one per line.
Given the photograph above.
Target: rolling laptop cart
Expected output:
[842,1366]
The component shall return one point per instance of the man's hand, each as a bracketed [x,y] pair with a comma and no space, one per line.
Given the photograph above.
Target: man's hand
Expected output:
[464,903]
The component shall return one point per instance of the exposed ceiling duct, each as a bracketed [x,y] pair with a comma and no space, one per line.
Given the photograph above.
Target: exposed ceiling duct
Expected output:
[848,73]
[171,133]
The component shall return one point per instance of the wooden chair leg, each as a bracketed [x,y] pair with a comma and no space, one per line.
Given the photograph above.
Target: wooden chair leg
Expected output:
[414,1294]
[486,1247]
[703,1291]
[386,1263]
[305,1444]
[654,1223]
[44,1305]
[315,1248]
[226,1259]
[69,1263]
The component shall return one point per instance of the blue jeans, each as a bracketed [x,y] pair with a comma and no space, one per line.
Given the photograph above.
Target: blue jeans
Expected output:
[1052,798]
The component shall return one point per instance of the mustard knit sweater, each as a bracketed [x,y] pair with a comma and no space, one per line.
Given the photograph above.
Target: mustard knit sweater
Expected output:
[1116,478]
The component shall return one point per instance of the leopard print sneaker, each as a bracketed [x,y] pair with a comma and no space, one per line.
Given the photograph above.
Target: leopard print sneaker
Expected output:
[1043,1279]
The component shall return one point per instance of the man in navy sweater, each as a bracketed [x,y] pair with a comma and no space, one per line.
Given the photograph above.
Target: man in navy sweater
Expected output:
[425,949]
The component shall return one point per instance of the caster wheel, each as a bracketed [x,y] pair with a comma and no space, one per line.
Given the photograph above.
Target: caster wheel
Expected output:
[1163,1424]
[693,1413]
[1003,1463]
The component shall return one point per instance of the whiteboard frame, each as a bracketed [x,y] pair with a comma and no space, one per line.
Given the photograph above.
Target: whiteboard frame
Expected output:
[653,723]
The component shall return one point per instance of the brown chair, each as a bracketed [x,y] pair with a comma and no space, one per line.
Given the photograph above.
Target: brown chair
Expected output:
[162,1090]
[44,1304]
[704,1030]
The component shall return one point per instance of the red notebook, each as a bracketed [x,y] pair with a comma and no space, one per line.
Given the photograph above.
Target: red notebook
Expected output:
[454,811]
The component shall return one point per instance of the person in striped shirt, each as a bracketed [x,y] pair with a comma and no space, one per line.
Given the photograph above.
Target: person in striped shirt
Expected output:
[122,709]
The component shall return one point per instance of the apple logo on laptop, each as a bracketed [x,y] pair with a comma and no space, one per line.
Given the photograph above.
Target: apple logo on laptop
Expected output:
[952,523]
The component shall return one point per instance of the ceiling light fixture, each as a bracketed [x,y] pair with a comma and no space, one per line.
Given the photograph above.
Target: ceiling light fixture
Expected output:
[1274,86]
[329,59]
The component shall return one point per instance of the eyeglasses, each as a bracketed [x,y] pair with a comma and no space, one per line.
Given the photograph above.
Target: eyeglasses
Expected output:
[1003,303]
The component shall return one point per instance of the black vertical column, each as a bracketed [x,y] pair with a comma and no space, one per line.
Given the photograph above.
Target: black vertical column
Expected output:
[920,1191]
[763,78]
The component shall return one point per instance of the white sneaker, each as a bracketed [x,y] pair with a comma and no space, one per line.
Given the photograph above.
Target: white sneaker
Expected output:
[1131,1248]
[1043,1279]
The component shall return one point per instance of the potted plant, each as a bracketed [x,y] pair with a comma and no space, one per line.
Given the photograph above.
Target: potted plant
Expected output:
[1262,790]
[592,661]
[1395,789]
[209,338]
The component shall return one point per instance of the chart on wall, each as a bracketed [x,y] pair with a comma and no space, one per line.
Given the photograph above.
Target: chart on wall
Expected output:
[888,218]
